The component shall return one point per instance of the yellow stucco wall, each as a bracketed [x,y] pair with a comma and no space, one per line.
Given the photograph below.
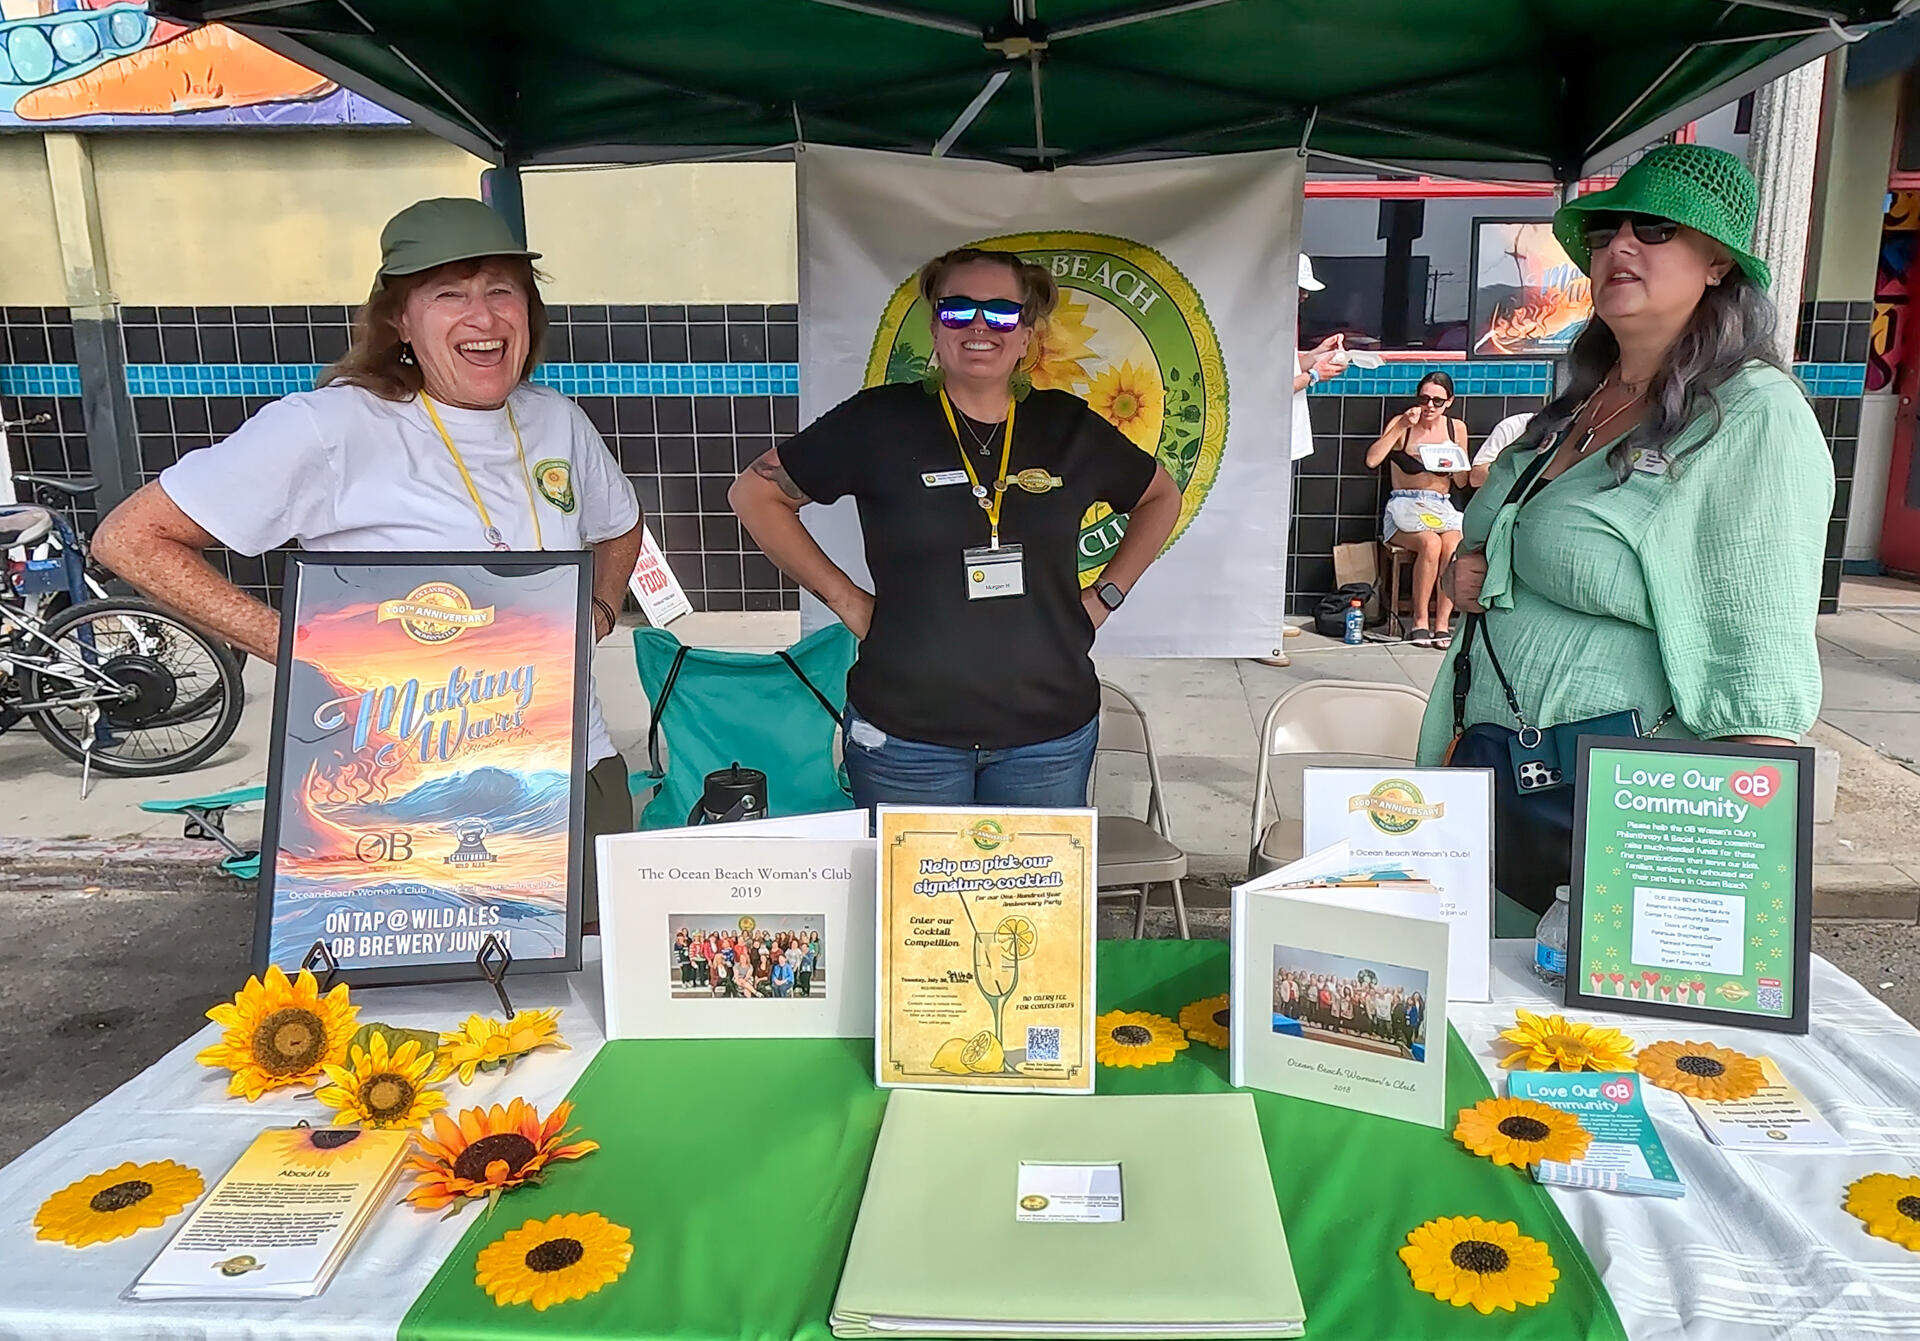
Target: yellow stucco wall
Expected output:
[258,218]
[29,249]
[1843,240]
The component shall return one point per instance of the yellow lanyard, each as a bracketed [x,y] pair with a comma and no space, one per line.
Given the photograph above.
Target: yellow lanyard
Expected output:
[492,532]
[989,500]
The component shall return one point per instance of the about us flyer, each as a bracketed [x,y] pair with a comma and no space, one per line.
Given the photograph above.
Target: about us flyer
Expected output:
[428,752]
[1690,885]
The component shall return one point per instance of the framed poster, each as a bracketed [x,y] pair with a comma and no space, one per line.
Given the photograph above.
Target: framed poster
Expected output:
[1692,894]
[985,967]
[426,781]
[1528,300]
[1340,1005]
[718,932]
[1438,822]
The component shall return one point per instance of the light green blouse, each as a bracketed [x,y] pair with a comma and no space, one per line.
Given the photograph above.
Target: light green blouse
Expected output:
[1694,585]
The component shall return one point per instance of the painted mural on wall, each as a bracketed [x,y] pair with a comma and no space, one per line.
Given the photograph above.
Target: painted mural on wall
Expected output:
[1898,233]
[94,64]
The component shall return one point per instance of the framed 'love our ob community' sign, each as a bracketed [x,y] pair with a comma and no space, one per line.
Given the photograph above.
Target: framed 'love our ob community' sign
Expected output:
[426,790]
[1692,893]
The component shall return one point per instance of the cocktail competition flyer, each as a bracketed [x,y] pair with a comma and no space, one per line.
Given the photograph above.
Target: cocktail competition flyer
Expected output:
[426,768]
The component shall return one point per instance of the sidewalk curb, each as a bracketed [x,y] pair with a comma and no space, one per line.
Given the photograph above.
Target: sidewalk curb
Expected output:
[91,856]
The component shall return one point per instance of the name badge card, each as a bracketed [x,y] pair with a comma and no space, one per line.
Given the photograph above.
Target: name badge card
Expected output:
[1438,823]
[995,572]
[1692,894]
[736,936]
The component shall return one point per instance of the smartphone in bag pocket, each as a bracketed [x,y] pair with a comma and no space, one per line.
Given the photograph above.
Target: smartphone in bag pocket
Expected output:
[1546,762]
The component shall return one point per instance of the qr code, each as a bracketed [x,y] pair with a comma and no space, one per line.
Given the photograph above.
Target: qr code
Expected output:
[1769,998]
[1043,1043]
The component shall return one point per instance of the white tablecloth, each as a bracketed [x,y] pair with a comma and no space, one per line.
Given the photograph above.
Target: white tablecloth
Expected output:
[1759,1246]
[177,1109]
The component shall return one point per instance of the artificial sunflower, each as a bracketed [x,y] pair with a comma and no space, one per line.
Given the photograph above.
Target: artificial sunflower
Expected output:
[1135,1038]
[484,1044]
[1889,1206]
[1207,1021]
[1463,1260]
[121,1201]
[324,1147]
[385,1089]
[1701,1070]
[490,1151]
[1521,1132]
[1559,1044]
[546,1262]
[280,1032]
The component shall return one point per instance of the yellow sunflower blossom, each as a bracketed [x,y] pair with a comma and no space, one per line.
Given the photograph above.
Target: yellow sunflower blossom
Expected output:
[122,1200]
[382,1089]
[1521,1132]
[279,1032]
[1135,1038]
[1462,1260]
[548,1262]
[1888,1204]
[1058,355]
[490,1151]
[1131,398]
[1207,1021]
[485,1044]
[1559,1044]
[1703,1070]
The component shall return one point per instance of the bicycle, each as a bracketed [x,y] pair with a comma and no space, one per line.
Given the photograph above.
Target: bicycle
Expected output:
[116,684]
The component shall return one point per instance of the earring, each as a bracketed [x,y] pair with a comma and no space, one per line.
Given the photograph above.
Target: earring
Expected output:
[406,355]
[932,375]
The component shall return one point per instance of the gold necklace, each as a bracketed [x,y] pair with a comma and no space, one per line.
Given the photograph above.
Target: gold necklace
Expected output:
[1586,439]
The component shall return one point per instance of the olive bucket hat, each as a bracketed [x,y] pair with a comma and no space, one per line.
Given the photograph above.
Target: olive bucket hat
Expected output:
[1708,190]
[432,233]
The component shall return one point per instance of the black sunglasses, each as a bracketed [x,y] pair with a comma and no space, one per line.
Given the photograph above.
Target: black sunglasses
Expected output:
[957,313]
[1429,399]
[1648,230]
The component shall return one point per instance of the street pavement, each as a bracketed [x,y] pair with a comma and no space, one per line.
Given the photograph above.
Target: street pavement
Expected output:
[116,933]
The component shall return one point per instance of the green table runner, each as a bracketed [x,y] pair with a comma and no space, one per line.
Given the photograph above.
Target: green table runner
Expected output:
[739,1167]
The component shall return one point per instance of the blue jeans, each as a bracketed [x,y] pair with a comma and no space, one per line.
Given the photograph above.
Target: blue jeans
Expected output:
[1048,775]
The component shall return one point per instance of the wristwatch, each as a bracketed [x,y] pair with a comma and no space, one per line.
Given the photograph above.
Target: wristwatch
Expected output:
[1110,595]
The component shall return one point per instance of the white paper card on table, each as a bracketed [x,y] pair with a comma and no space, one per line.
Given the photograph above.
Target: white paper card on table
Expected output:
[1339,1004]
[1775,1117]
[1073,1194]
[737,935]
[654,585]
[1436,821]
[1444,456]
[280,1222]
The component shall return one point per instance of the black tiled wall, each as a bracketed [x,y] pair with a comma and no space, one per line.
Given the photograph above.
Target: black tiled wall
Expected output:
[1836,332]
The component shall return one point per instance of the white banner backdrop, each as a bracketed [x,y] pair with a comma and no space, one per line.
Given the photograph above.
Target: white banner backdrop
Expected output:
[1176,322]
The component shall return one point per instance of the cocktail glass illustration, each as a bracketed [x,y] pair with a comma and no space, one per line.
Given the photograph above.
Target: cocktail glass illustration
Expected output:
[995,973]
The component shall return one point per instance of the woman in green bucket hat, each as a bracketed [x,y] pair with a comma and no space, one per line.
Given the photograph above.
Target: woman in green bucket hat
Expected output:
[1653,544]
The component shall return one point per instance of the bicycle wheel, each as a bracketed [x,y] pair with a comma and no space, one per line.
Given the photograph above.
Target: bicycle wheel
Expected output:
[182,691]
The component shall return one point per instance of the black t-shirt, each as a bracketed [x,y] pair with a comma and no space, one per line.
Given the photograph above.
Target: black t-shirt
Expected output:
[937,667]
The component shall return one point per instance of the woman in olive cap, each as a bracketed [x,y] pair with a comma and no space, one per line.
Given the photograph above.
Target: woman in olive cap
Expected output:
[427,435]
[1654,541]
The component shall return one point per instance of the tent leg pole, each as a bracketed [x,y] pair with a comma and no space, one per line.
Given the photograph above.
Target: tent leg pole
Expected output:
[500,188]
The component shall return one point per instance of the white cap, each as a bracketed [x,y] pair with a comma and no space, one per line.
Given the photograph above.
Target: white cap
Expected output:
[1307,281]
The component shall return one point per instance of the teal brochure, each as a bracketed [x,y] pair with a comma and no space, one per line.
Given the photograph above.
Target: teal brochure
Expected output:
[1626,1154]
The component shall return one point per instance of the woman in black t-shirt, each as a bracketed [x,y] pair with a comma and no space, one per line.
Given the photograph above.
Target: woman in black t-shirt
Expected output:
[973,684]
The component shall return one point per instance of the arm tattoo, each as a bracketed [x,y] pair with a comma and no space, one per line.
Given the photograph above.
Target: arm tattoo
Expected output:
[768,467]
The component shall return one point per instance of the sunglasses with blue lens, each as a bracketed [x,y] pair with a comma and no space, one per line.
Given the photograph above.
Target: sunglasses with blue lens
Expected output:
[957,313]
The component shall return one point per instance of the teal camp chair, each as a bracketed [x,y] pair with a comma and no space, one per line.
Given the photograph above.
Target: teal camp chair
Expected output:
[774,711]
[206,817]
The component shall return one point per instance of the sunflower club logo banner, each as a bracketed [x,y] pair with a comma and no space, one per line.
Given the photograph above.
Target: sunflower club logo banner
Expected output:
[426,786]
[1176,324]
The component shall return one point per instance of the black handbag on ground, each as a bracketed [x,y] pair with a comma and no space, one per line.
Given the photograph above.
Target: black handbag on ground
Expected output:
[1330,611]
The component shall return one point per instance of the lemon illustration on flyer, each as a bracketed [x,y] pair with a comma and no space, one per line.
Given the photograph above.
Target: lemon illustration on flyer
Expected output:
[986,966]
[1691,881]
[428,752]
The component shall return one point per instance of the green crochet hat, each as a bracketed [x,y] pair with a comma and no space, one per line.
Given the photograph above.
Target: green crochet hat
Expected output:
[1708,190]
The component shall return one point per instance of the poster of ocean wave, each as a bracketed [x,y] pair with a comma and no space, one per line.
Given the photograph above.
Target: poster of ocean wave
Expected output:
[425,796]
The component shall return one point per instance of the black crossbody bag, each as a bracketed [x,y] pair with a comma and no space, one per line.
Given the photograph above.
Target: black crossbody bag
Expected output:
[1532,765]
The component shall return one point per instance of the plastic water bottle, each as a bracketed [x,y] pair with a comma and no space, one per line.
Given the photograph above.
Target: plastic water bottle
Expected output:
[1550,942]
[1356,623]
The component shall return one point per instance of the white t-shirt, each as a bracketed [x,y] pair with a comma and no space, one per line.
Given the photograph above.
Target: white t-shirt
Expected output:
[1504,435]
[342,469]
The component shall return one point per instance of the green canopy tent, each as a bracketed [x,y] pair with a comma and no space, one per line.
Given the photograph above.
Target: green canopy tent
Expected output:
[1541,89]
